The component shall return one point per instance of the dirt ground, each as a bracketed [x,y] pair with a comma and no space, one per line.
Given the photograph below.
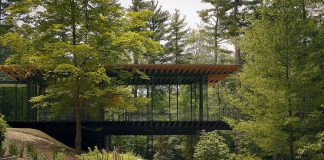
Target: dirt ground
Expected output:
[43,143]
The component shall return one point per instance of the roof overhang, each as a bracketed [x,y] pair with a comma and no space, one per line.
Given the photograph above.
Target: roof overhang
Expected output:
[161,73]
[188,73]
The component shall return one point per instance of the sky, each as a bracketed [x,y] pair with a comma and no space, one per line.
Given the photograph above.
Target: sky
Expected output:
[188,8]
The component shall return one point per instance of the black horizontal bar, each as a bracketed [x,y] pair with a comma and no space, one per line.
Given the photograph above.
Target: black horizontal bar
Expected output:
[130,127]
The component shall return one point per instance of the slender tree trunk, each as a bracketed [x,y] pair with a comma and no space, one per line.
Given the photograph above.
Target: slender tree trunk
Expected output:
[176,48]
[77,104]
[78,136]
[216,42]
[290,112]
[289,105]
[0,14]
[216,35]
[237,49]
[86,17]
[238,134]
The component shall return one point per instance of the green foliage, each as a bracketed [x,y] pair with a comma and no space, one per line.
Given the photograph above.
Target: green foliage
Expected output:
[3,130]
[135,144]
[312,150]
[153,26]
[168,148]
[234,156]
[2,151]
[211,146]
[34,155]
[30,148]
[13,149]
[58,155]
[176,39]
[96,154]
[280,94]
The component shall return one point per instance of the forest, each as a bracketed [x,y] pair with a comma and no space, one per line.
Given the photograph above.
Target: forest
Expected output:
[275,102]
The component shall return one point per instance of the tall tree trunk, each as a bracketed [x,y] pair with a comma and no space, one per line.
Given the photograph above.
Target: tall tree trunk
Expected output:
[176,48]
[86,17]
[215,36]
[216,41]
[237,49]
[77,105]
[0,15]
[289,105]
[238,134]
[78,135]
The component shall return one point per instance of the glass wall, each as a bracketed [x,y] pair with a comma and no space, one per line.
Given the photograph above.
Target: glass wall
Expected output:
[14,101]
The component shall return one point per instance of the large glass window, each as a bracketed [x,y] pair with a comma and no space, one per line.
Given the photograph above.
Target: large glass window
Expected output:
[14,101]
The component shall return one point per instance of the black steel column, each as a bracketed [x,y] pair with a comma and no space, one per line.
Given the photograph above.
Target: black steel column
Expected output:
[152,99]
[148,104]
[195,112]
[16,101]
[207,102]
[3,97]
[170,90]
[191,102]
[177,97]
[201,99]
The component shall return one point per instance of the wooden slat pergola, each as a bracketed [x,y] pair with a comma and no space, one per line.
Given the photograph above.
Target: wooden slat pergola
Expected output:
[169,73]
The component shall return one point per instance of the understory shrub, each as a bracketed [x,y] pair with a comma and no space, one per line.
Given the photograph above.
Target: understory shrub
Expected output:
[3,129]
[211,146]
[13,149]
[58,155]
[96,154]
[33,154]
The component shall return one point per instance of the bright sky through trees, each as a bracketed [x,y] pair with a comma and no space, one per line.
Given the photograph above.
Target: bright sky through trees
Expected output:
[188,8]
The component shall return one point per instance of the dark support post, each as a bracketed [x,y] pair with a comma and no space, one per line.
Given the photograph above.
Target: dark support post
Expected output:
[177,97]
[195,115]
[142,114]
[148,105]
[191,102]
[28,103]
[201,99]
[16,103]
[170,90]
[3,95]
[152,99]
[207,102]
[37,112]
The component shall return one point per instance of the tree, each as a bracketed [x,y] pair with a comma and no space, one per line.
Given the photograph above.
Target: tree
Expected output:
[223,22]
[211,146]
[73,42]
[158,25]
[280,97]
[214,24]
[175,40]
[4,27]
[138,5]
[155,25]
[312,150]
[168,148]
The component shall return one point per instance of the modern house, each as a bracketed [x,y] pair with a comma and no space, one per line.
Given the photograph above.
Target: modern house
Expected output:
[164,113]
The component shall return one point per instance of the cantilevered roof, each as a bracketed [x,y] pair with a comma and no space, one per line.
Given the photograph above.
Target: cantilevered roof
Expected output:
[157,73]
[187,73]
